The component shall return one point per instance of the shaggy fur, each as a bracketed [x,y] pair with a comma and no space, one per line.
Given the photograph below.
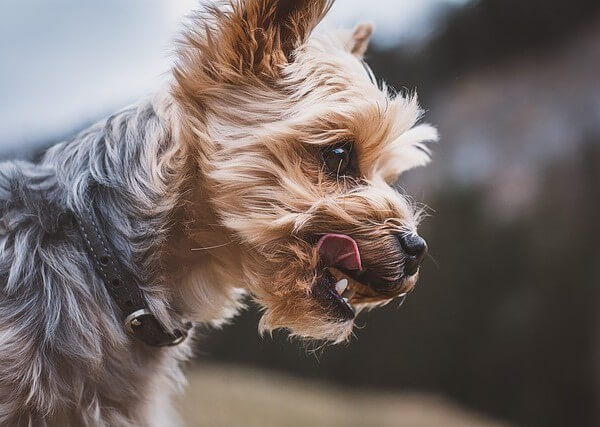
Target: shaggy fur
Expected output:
[209,190]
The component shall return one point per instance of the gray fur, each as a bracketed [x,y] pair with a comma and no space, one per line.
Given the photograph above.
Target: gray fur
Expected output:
[64,358]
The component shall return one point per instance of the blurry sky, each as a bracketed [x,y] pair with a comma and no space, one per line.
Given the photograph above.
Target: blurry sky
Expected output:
[67,62]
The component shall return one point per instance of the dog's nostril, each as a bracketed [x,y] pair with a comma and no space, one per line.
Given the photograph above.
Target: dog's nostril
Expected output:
[414,246]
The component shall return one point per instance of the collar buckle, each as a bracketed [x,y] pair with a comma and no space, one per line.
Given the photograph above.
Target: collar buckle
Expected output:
[142,324]
[124,287]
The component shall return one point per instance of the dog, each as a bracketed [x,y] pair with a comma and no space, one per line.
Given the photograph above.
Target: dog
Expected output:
[265,168]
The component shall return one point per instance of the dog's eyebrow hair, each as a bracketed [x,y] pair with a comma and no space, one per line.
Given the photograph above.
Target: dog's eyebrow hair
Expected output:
[369,72]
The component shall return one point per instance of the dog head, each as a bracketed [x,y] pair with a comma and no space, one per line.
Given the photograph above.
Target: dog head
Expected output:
[299,148]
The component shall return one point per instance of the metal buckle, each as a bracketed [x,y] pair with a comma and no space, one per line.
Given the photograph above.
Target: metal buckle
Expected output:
[134,320]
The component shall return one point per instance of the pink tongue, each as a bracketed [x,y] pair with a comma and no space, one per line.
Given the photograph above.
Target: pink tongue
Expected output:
[340,250]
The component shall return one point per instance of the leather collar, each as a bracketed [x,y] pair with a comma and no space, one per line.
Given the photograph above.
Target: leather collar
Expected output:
[124,287]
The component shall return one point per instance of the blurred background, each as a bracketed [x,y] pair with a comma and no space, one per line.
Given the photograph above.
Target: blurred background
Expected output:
[504,326]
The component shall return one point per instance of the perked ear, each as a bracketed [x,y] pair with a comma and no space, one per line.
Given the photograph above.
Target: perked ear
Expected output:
[296,19]
[359,42]
[255,37]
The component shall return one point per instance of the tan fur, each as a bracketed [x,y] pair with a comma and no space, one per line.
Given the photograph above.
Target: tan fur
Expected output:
[257,99]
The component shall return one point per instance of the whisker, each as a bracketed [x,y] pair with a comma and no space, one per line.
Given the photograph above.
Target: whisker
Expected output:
[402,300]
[434,260]
[208,248]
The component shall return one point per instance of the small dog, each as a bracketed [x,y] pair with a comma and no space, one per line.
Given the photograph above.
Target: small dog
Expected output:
[266,167]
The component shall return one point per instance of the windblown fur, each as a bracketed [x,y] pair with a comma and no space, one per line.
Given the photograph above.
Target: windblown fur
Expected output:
[208,190]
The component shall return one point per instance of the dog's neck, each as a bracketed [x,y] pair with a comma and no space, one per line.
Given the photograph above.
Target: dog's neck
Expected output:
[202,258]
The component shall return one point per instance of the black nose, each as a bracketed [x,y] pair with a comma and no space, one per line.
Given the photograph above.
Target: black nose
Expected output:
[415,248]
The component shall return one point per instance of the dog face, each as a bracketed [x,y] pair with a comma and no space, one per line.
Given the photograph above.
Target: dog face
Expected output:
[299,148]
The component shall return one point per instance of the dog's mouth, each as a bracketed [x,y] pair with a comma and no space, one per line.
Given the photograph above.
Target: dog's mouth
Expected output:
[343,285]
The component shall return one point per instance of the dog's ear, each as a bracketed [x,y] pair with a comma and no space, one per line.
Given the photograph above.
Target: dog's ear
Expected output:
[253,37]
[295,20]
[359,41]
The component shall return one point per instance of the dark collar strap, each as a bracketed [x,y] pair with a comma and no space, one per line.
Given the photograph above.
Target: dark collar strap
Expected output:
[123,287]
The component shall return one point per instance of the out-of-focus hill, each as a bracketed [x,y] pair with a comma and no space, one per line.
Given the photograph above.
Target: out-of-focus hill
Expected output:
[228,396]
[502,125]
[484,33]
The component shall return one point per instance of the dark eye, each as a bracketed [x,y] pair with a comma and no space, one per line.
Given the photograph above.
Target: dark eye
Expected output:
[338,159]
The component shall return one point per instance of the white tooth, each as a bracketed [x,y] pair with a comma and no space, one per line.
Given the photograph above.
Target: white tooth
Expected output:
[341,286]
[345,300]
